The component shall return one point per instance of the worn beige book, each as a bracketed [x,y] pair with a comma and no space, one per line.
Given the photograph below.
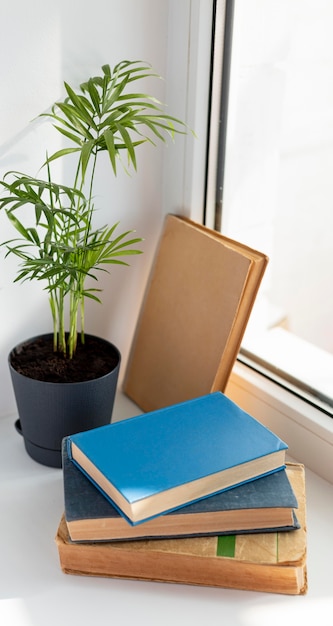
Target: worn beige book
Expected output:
[194,314]
[268,562]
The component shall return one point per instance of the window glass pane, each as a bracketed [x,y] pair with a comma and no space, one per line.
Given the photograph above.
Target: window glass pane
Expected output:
[275,180]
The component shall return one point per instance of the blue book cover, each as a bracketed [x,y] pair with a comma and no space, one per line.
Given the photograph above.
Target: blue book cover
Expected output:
[159,461]
[263,505]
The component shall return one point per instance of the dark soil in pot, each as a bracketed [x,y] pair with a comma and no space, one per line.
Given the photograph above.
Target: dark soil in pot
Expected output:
[37,360]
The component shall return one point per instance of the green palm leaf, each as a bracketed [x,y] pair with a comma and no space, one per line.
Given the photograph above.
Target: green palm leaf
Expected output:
[56,241]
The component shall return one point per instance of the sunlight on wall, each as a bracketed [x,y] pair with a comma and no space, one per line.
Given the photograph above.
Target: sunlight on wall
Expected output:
[30,48]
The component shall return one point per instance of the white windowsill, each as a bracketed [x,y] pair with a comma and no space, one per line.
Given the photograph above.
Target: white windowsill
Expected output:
[35,591]
[307,431]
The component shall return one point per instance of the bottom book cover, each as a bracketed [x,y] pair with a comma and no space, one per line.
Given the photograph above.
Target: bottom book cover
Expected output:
[268,562]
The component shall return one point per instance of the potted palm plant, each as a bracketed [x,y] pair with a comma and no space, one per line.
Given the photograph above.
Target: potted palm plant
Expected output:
[57,243]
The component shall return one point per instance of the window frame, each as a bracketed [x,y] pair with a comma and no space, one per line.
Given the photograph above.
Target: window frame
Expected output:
[306,429]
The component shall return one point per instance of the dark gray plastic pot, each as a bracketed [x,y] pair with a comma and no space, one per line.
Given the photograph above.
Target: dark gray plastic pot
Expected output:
[50,411]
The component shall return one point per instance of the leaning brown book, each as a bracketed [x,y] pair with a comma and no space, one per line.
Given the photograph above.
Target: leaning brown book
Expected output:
[198,299]
[268,562]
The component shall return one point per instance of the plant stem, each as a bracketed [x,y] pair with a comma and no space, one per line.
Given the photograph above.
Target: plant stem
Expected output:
[82,321]
[72,339]
[61,322]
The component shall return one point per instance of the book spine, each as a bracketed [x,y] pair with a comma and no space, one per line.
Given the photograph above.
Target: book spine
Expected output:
[94,560]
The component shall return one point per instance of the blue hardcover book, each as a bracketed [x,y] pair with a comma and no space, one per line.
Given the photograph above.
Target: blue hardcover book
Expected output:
[263,505]
[159,461]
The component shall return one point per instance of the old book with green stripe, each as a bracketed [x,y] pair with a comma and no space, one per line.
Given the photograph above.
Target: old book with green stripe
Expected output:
[269,562]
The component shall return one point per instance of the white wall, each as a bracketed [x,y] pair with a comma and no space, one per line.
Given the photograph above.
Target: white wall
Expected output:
[44,43]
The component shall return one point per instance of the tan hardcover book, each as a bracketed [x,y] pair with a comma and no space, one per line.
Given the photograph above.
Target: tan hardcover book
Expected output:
[198,300]
[268,562]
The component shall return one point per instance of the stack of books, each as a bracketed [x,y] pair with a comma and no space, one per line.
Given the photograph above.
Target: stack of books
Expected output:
[195,493]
